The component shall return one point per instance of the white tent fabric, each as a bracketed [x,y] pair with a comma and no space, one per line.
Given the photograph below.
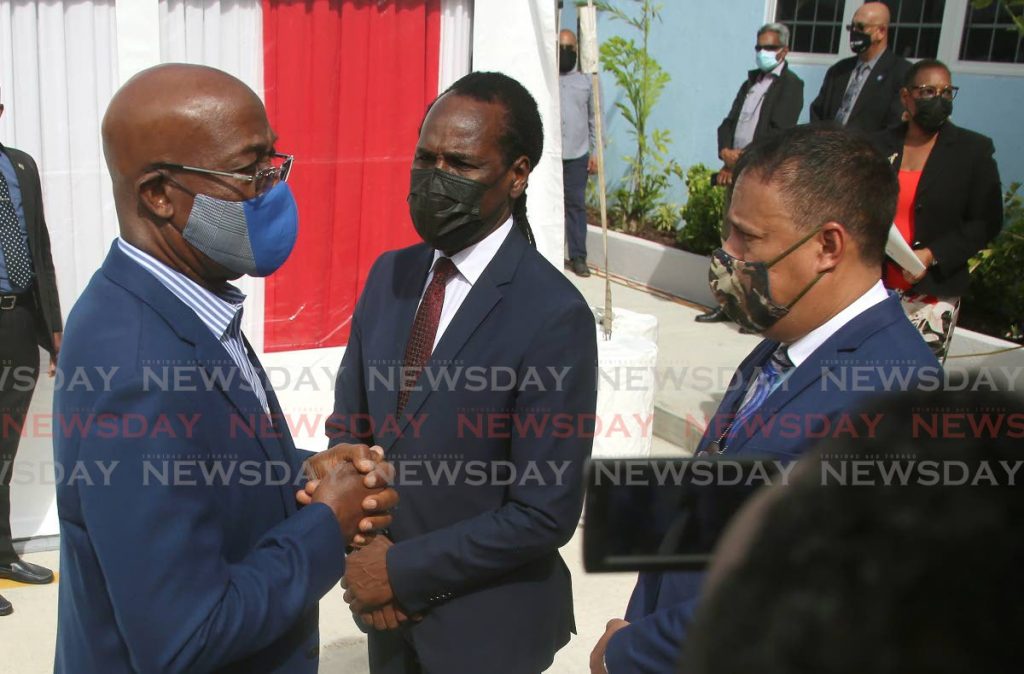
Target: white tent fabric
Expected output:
[456,41]
[520,39]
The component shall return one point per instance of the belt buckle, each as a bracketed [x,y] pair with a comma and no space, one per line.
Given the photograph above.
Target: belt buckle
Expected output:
[8,302]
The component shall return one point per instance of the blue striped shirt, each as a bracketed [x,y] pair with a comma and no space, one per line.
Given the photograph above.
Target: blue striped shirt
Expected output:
[220,311]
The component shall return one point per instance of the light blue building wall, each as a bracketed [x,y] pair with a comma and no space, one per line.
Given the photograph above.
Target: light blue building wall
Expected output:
[707,46]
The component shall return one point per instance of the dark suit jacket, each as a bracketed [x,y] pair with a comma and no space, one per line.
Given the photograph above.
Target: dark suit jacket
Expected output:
[178,574]
[780,109]
[877,351]
[48,317]
[878,105]
[958,207]
[478,556]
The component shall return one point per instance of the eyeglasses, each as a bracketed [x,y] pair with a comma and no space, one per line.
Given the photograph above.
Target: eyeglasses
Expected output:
[927,91]
[262,176]
[768,47]
[861,26]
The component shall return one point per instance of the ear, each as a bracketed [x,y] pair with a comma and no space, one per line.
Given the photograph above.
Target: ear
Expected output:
[783,53]
[152,190]
[834,241]
[520,177]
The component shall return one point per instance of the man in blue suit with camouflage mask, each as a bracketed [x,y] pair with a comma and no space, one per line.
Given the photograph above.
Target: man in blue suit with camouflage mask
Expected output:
[810,213]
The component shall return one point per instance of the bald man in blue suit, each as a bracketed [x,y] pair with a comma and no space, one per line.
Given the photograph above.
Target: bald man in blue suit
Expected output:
[183,548]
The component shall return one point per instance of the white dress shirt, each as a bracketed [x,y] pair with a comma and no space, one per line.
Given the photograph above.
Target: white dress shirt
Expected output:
[801,349]
[470,263]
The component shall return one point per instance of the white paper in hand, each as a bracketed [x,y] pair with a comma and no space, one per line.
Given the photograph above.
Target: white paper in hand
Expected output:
[901,253]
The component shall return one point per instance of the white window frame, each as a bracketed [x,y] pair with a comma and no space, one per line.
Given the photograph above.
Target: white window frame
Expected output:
[950,35]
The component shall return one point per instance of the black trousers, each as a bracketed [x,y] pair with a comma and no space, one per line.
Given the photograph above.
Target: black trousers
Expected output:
[19,371]
[574,181]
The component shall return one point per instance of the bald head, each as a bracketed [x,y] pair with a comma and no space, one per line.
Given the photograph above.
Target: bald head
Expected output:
[566,38]
[873,12]
[174,113]
[178,115]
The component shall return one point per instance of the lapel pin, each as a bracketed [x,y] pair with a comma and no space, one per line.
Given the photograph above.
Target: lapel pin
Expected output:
[880,78]
[21,166]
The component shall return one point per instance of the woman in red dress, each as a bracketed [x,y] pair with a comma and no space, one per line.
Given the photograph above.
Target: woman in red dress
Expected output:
[950,203]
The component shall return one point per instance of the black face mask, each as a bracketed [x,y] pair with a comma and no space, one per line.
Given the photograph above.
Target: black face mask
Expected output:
[932,113]
[859,41]
[566,59]
[445,209]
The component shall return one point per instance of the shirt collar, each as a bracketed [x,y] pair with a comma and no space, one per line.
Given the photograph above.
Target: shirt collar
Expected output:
[471,261]
[872,63]
[220,310]
[801,349]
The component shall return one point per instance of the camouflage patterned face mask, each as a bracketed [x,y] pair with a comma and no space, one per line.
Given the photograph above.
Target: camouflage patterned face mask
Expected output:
[741,288]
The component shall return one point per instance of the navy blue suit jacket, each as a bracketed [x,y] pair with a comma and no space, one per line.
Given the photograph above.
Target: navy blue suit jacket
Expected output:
[877,351]
[476,552]
[164,569]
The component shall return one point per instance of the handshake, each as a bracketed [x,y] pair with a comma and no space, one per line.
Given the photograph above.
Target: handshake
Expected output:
[352,480]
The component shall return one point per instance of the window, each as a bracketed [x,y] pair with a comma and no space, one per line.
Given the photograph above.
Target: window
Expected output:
[971,35]
[991,35]
[815,25]
[915,28]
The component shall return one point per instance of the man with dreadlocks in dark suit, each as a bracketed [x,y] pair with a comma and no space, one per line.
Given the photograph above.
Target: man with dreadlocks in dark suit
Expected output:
[491,355]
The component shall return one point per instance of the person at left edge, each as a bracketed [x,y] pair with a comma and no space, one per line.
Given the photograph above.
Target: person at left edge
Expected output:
[29,318]
[187,552]
[474,550]
[578,138]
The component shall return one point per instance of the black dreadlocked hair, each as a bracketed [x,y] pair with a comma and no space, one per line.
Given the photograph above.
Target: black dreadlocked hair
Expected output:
[524,132]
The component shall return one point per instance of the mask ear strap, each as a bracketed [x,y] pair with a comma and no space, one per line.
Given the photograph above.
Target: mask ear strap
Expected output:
[796,245]
[805,290]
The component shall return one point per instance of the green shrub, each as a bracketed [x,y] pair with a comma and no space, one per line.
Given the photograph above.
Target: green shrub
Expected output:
[703,212]
[995,301]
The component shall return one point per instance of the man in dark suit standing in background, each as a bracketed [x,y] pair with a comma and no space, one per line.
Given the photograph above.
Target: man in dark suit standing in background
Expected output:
[490,487]
[769,100]
[29,318]
[863,91]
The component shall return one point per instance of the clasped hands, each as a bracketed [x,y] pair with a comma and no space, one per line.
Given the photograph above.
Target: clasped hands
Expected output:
[367,588]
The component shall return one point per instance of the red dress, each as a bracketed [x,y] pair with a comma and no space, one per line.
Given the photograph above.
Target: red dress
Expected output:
[904,222]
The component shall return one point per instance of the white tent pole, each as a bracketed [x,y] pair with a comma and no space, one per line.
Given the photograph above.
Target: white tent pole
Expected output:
[591,63]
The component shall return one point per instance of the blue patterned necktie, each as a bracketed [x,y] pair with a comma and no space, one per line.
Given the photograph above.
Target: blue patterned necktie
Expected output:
[12,243]
[777,366]
[852,93]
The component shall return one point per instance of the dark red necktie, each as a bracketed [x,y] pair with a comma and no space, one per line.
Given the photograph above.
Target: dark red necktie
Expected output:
[424,329]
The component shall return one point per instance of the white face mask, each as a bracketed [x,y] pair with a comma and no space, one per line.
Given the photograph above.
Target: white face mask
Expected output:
[766,60]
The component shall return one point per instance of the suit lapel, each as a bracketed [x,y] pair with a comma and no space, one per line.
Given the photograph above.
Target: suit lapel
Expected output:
[876,80]
[836,353]
[218,367]
[481,300]
[388,358]
[29,197]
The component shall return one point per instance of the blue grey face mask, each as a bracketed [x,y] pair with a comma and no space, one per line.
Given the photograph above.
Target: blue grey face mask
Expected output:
[251,237]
